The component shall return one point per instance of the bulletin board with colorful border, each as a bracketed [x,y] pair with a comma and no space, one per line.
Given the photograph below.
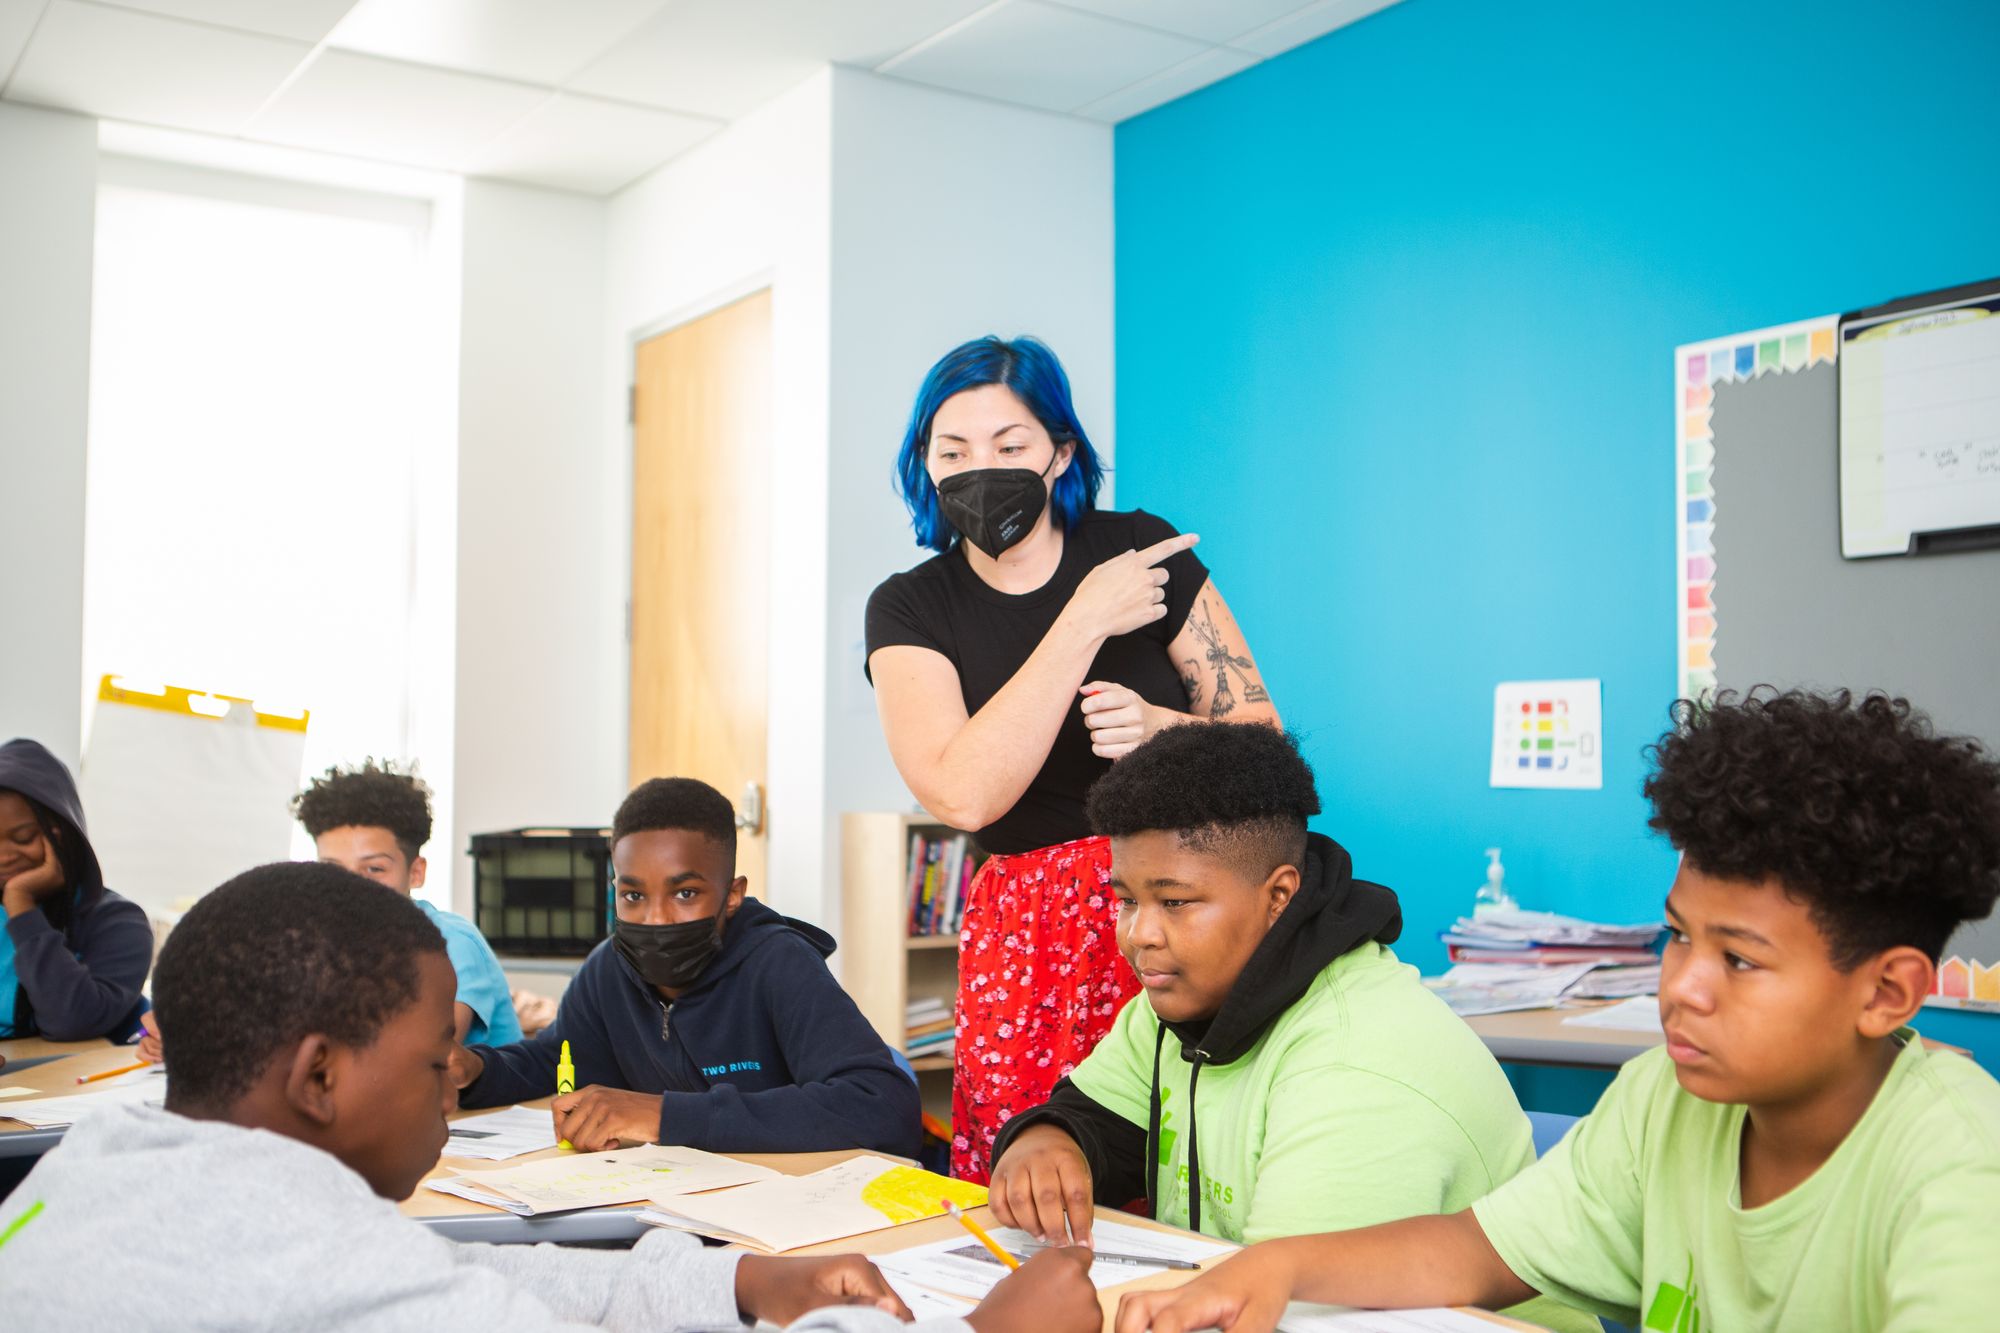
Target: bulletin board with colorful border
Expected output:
[1969,975]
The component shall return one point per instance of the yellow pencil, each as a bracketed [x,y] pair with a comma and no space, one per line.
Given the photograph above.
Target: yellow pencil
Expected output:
[980,1233]
[114,1073]
[565,1082]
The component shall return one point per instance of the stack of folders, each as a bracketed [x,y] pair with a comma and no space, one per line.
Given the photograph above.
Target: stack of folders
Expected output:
[1511,959]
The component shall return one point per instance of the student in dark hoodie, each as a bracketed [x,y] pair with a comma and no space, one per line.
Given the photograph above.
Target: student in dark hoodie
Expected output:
[74,953]
[707,1019]
[1284,1067]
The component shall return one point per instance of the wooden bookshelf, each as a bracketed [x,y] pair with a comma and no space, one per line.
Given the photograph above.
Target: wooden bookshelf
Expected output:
[883,966]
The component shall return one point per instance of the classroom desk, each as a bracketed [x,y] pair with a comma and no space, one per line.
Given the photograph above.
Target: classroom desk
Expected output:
[941,1228]
[1540,1037]
[462,1219]
[56,1078]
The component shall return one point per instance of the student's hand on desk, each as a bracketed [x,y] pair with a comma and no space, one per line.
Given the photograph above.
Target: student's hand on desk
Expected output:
[38,881]
[598,1118]
[1245,1294]
[1119,720]
[150,1049]
[1042,1185]
[778,1290]
[1051,1293]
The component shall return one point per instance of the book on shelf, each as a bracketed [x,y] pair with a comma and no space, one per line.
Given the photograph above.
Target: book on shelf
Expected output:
[940,873]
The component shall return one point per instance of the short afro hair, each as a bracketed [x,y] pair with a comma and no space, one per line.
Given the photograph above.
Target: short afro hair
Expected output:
[273,956]
[372,794]
[1238,790]
[1888,833]
[678,803]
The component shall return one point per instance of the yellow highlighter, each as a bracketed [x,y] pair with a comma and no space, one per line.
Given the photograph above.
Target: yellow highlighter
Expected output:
[565,1082]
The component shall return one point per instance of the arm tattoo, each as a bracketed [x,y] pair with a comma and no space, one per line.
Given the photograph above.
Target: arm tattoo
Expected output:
[1191,680]
[1223,660]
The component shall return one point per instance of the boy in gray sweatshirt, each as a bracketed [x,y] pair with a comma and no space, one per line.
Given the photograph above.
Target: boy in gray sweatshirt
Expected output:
[307,1090]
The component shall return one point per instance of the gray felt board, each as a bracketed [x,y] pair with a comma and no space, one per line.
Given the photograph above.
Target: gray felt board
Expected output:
[1791,611]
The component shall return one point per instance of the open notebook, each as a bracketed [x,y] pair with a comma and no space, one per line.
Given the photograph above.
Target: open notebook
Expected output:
[859,1195]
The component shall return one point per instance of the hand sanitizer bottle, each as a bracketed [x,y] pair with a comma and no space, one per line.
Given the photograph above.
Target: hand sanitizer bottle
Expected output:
[1493,896]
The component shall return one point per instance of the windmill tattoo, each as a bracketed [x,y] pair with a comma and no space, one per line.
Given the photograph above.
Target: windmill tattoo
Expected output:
[1223,662]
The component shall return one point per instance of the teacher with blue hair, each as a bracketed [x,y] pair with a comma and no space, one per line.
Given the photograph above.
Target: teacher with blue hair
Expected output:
[1045,639]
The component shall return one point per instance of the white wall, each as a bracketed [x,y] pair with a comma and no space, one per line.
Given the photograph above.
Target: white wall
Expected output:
[953,217]
[48,201]
[745,210]
[877,213]
[540,701]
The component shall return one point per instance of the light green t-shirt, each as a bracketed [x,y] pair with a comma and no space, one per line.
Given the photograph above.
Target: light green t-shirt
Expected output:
[1637,1214]
[1366,1101]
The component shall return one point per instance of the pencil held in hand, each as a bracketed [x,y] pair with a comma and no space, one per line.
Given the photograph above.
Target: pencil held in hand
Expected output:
[979,1233]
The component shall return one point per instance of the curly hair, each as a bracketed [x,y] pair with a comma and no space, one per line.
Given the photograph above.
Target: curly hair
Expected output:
[678,803]
[372,794]
[1887,832]
[274,955]
[1241,791]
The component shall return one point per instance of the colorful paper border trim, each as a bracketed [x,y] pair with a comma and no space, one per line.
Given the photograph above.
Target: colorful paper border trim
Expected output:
[1698,368]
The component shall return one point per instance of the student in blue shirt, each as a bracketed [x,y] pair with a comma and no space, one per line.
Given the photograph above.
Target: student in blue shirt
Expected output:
[374,820]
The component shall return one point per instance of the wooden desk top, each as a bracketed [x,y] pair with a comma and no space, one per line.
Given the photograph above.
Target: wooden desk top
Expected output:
[58,1077]
[1539,1036]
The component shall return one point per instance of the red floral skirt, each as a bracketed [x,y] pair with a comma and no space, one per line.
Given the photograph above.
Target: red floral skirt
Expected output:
[1039,981]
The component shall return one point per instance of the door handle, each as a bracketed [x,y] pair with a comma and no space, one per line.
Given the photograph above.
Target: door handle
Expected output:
[750,811]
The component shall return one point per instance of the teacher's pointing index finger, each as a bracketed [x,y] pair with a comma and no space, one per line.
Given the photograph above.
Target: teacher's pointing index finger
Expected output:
[1173,545]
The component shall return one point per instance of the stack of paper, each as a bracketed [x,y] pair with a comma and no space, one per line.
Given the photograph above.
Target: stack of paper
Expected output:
[1615,983]
[1495,988]
[1514,929]
[859,1195]
[961,1266]
[1640,1014]
[596,1180]
[503,1134]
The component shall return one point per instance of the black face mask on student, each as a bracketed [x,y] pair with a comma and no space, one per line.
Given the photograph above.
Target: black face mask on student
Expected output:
[995,507]
[673,956]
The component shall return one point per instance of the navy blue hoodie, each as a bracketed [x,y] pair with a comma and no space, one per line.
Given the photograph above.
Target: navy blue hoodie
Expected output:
[765,1053]
[81,958]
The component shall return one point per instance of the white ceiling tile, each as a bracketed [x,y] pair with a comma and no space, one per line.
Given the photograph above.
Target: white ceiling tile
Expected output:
[723,57]
[301,20]
[17,20]
[1209,20]
[1315,20]
[393,112]
[540,41]
[1210,66]
[582,143]
[1038,55]
[122,65]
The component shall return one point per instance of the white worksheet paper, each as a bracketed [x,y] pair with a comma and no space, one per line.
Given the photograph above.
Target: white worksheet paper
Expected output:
[503,1134]
[1641,1013]
[962,1266]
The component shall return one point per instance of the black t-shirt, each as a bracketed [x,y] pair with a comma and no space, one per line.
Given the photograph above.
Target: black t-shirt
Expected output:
[988,635]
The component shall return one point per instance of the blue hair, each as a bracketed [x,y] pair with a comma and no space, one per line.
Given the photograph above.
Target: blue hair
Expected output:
[1031,371]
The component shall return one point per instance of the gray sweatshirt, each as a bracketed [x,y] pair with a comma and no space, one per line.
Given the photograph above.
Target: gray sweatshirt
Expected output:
[146,1219]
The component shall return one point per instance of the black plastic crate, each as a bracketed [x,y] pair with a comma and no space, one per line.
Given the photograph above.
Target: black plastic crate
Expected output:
[542,892]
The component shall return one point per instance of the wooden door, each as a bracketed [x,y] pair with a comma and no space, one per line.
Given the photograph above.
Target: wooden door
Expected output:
[701,463]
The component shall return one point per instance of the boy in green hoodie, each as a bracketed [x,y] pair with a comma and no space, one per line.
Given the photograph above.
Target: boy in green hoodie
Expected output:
[1793,1158]
[1285,1070]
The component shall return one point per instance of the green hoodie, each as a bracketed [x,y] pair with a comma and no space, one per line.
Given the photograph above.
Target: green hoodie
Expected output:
[1330,1091]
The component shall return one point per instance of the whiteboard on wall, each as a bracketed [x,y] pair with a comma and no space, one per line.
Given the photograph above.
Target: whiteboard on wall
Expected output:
[1768,599]
[1920,424]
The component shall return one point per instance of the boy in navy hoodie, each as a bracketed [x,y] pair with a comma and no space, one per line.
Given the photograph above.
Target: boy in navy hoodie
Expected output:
[74,954]
[706,1020]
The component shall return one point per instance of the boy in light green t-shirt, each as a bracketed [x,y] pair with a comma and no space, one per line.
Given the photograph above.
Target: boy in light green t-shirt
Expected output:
[1284,1073]
[1794,1157]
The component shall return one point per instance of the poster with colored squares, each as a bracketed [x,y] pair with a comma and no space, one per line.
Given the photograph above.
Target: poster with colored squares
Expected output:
[1548,733]
[1698,368]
